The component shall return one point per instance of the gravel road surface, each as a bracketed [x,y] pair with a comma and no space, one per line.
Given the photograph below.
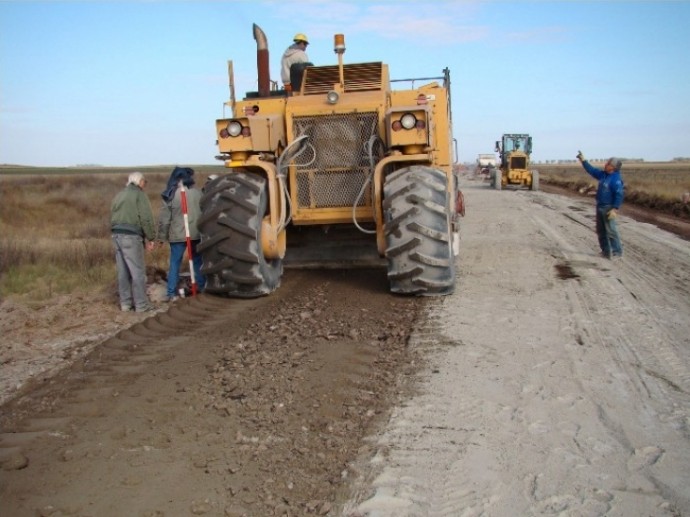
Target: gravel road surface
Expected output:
[552,382]
[559,381]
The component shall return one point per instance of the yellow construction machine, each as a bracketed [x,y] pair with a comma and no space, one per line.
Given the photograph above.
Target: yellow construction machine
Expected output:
[340,170]
[515,150]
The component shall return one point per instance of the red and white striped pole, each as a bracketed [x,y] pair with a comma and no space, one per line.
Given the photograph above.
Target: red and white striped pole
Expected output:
[183,199]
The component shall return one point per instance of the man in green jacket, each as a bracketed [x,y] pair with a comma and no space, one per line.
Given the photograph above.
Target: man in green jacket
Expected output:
[133,230]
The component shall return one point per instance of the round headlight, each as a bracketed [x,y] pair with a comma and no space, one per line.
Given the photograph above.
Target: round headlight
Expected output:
[332,97]
[234,128]
[408,120]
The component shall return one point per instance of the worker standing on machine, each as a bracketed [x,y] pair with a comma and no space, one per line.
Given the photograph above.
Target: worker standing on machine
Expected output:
[295,53]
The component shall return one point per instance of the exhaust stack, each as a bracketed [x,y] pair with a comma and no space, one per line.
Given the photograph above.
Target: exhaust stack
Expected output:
[262,61]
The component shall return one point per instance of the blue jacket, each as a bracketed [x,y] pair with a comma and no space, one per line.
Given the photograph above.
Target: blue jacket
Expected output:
[610,190]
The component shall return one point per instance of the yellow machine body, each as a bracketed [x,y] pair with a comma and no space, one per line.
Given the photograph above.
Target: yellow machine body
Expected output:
[325,146]
[515,150]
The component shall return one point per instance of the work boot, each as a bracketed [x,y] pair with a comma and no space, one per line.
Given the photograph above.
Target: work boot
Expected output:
[146,308]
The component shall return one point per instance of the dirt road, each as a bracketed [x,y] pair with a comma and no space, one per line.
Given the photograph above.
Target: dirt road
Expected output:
[559,381]
[214,407]
[553,382]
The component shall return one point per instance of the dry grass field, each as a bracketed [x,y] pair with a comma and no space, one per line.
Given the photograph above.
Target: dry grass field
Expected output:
[55,226]
[56,234]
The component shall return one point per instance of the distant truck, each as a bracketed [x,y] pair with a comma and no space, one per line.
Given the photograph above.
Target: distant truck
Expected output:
[515,150]
[486,163]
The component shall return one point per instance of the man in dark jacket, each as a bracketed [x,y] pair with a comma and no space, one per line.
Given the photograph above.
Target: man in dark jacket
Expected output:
[133,229]
[609,200]
[172,227]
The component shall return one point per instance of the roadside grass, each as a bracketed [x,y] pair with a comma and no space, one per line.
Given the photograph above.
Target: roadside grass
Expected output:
[46,266]
[44,280]
[55,222]
[55,228]
[659,186]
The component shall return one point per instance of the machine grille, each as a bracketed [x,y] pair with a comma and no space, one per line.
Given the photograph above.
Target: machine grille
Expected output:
[358,77]
[334,166]
[518,162]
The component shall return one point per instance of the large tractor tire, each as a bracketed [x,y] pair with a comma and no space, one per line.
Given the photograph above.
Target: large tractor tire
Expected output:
[419,245]
[497,179]
[535,181]
[232,208]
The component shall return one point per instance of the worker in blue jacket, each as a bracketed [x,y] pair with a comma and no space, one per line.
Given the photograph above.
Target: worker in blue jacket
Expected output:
[609,200]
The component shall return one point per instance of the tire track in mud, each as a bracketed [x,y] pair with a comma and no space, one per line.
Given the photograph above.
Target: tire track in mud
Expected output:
[438,455]
[662,272]
[532,413]
[216,406]
[664,279]
[84,389]
[665,276]
[646,355]
[660,284]
[377,492]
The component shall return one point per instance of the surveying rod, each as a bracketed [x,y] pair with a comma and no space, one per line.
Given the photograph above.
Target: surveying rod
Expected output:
[183,199]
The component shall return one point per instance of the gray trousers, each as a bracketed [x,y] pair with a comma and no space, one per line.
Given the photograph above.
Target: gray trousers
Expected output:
[131,271]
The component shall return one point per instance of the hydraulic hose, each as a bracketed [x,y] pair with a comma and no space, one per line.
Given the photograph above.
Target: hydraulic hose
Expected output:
[370,152]
[287,156]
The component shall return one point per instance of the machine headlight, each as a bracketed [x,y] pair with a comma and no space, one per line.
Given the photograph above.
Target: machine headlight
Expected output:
[332,97]
[408,121]
[234,128]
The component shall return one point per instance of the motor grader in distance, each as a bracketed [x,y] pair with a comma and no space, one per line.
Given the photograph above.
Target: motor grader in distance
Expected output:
[342,171]
[515,150]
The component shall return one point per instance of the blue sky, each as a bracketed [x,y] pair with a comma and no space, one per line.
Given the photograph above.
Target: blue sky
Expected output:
[141,83]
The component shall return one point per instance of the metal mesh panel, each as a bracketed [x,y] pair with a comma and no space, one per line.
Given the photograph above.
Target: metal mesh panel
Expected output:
[333,168]
[357,77]
[518,162]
